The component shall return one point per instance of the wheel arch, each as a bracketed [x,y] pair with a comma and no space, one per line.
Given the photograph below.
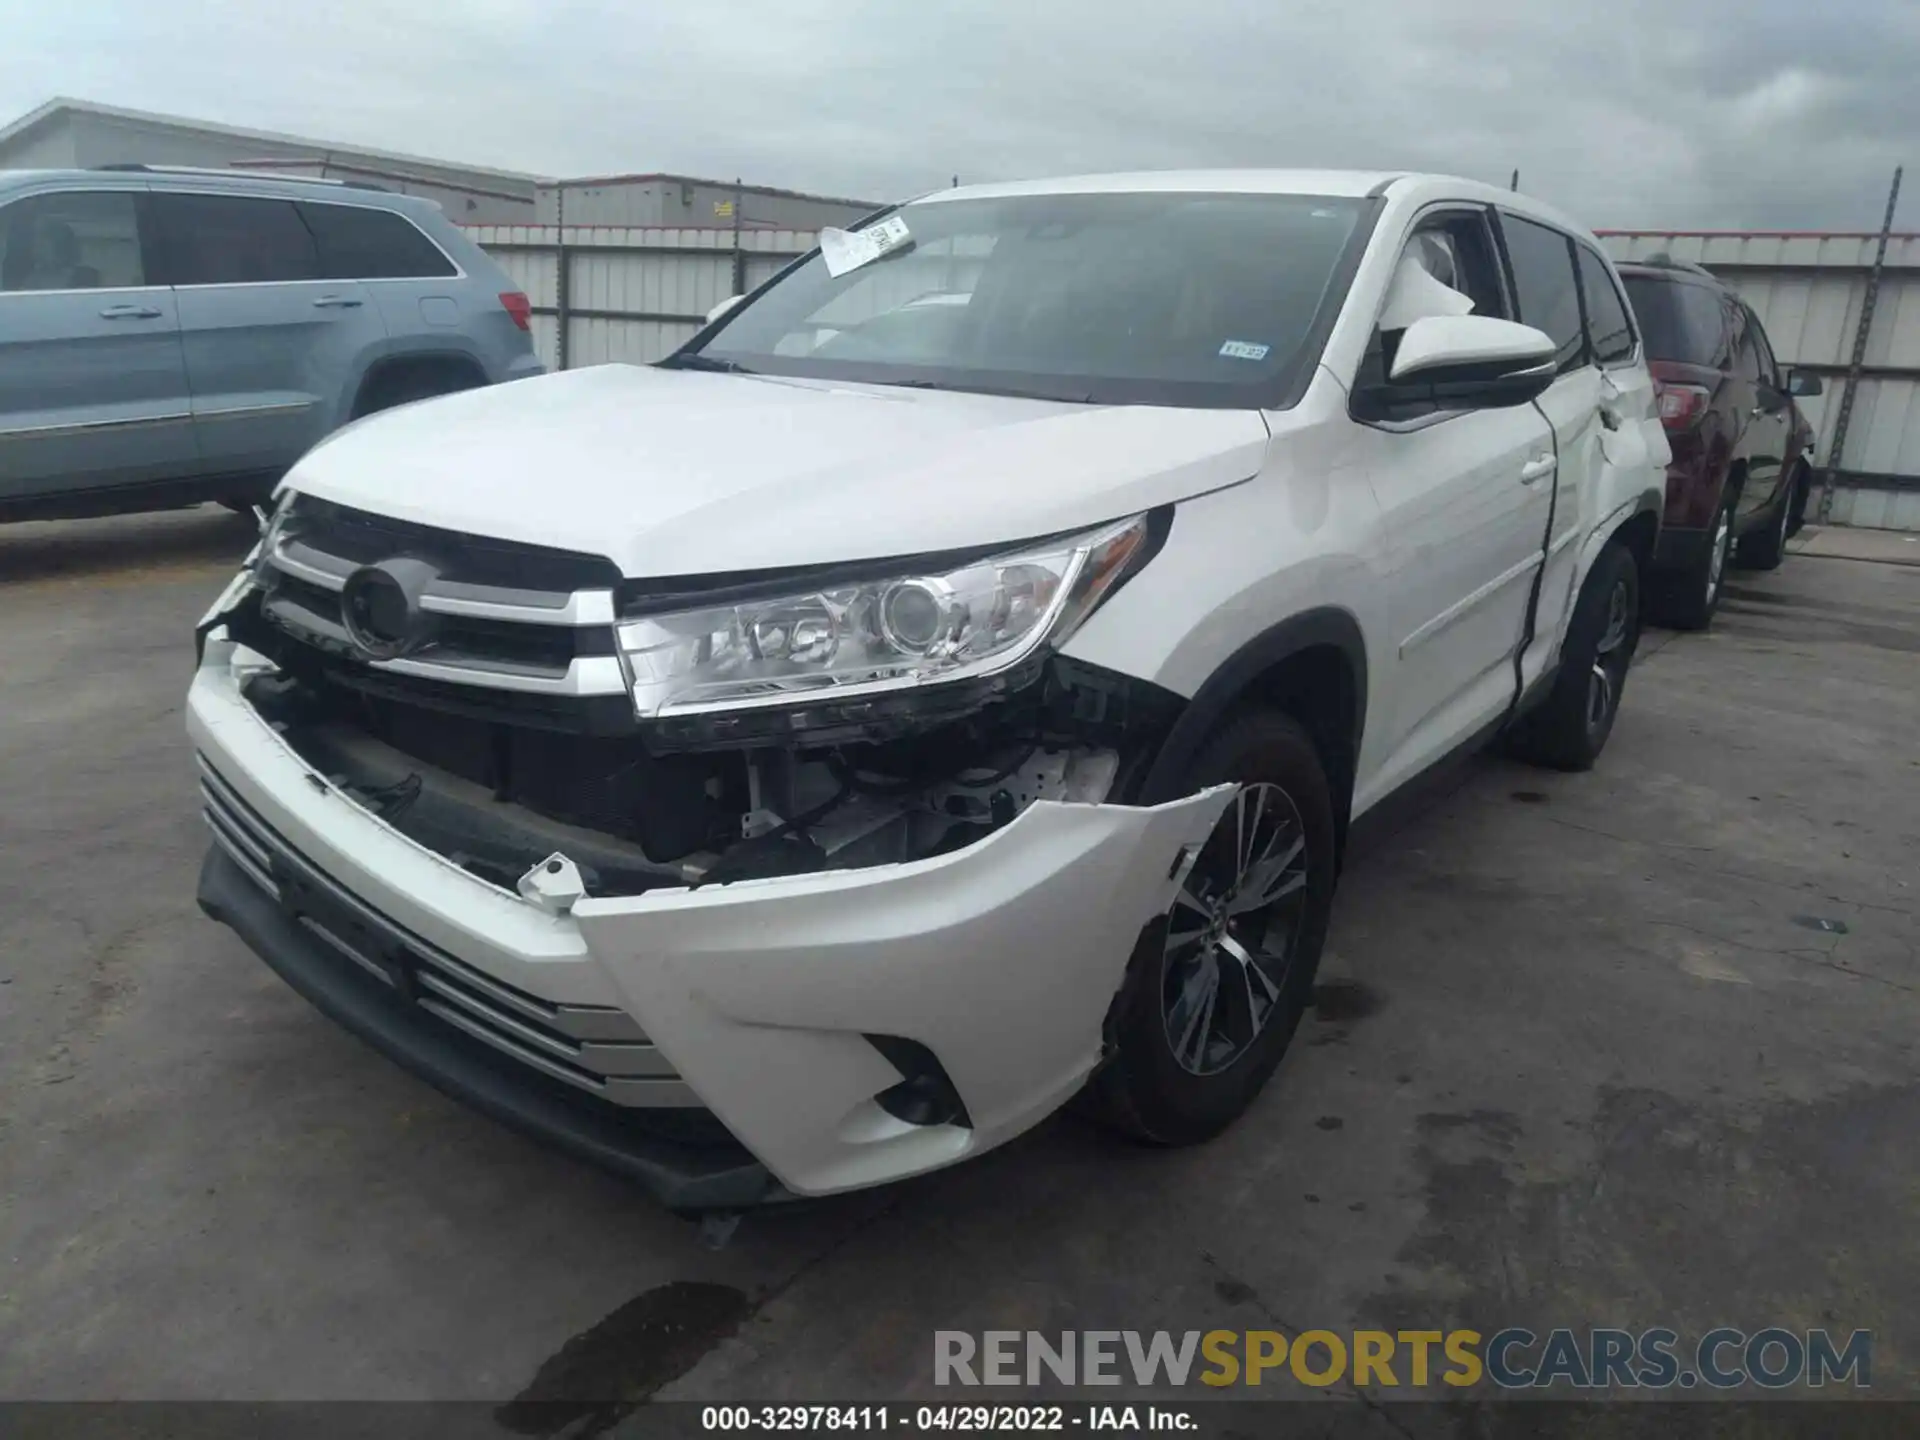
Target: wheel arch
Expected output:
[391,368]
[1312,666]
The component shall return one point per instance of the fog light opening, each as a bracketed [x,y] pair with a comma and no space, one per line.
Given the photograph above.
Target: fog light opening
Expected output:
[925,1094]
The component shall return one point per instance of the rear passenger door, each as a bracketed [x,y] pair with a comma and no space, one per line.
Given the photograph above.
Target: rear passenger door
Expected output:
[1547,289]
[410,279]
[272,345]
[93,387]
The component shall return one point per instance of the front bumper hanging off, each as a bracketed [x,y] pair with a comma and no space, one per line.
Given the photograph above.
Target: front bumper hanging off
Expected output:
[738,1067]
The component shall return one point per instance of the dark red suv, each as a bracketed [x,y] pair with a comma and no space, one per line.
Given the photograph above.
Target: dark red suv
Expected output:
[1742,464]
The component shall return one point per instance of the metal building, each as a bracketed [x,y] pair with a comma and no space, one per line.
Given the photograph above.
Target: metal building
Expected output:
[1809,290]
[78,134]
[686,202]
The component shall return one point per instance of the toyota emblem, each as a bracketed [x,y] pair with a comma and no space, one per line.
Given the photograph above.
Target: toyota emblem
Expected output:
[380,606]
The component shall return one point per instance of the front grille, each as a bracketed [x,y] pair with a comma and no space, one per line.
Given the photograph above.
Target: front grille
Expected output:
[505,616]
[548,649]
[360,537]
[596,1048]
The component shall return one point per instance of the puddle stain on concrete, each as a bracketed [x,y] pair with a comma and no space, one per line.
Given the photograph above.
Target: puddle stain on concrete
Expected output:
[1708,1216]
[602,1374]
[1340,1002]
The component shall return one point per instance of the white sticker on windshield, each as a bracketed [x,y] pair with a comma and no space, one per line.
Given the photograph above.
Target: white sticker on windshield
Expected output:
[845,250]
[1243,350]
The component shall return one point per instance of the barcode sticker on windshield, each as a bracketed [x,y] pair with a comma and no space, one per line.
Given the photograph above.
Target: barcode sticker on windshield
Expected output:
[1243,350]
[844,250]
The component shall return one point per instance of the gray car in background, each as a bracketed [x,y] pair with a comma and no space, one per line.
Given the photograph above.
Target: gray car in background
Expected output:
[169,336]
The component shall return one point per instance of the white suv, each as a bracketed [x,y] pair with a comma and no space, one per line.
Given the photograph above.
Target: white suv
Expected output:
[815,759]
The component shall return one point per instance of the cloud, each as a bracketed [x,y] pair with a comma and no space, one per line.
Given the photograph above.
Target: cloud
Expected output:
[1718,113]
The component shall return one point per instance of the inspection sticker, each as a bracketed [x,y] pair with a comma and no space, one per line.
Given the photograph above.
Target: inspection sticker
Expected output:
[1243,350]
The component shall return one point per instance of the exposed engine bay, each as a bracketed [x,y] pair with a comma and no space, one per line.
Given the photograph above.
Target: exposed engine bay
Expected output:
[500,795]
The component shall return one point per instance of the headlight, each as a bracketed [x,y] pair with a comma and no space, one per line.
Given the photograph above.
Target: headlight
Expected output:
[879,637]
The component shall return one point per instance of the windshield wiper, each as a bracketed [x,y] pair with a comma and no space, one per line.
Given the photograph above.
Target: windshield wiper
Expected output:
[1009,391]
[697,361]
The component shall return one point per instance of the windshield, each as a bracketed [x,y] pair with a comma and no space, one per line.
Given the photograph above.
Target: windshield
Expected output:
[1157,298]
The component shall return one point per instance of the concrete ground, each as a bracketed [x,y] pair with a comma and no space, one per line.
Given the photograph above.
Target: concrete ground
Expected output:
[1633,1047]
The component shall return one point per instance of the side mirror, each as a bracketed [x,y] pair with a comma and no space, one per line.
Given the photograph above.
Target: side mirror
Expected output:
[1803,383]
[723,307]
[1469,362]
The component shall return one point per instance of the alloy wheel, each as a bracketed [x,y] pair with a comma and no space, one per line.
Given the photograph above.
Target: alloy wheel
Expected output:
[1611,657]
[1717,557]
[1233,929]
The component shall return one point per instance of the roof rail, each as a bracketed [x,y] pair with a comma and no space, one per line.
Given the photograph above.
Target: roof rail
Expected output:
[137,167]
[1661,260]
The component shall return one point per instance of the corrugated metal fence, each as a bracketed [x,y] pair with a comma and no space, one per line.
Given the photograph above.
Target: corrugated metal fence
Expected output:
[615,293]
[1809,291]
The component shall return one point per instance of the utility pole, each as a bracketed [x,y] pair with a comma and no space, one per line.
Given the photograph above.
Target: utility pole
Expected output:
[1514,184]
[1836,449]
[739,255]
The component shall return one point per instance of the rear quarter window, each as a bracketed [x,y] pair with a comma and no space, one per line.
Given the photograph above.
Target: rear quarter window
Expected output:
[360,243]
[1609,331]
[1680,321]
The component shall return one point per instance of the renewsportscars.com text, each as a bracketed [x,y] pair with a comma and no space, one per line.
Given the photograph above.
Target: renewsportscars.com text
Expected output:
[1511,1359]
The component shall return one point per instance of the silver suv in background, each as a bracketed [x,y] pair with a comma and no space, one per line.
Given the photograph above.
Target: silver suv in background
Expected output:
[172,336]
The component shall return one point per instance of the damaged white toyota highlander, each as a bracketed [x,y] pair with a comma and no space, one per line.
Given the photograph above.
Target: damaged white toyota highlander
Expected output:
[943,687]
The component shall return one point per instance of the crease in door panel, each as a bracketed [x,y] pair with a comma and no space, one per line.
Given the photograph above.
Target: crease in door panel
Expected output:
[1540,575]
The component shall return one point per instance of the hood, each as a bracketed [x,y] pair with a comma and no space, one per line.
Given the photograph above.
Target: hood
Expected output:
[673,472]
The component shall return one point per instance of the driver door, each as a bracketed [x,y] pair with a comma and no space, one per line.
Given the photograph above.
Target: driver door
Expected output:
[1463,497]
[1769,421]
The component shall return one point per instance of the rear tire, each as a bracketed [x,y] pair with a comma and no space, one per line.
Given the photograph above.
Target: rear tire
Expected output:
[1216,989]
[1571,727]
[1687,599]
[404,386]
[1766,549]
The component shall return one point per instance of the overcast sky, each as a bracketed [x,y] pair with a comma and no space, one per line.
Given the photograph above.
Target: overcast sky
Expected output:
[1654,113]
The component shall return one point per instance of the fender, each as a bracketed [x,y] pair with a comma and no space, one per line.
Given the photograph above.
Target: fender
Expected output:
[1650,501]
[1229,683]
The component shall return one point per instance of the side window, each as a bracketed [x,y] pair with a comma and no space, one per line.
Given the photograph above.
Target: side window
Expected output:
[232,240]
[360,243]
[1545,286]
[83,240]
[1747,361]
[1455,249]
[1769,366]
[1609,331]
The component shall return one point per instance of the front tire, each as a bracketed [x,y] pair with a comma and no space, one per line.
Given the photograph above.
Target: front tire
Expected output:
[1571,727]
[1215,991]
[1768,548]
[1802,493]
